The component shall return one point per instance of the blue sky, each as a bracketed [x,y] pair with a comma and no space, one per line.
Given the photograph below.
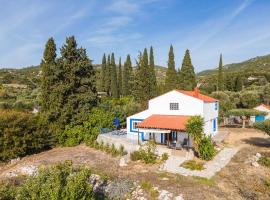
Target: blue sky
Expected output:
[239,29]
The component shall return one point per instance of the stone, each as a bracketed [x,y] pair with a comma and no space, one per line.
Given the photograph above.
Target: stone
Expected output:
[180,197]
[12,161]
[165,195]
[255,164]
[258,155]
[122,162]
[28,170]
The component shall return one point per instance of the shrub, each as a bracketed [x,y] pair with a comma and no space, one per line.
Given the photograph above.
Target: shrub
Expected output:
[194,128]
[265,161]
[8,191]
[21,134]
[263,126]
[113,150]
[135,155]
[206,149]
[122,151]
[193,165]
[60,181]
[107,148]
[145,153]
[164,157]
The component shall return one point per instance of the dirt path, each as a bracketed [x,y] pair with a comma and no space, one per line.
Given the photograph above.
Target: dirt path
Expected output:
[238,180]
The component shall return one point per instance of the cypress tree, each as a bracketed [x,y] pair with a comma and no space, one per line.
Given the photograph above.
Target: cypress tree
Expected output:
[187,74]
[119,78]
[238,83]
[48,70]
[152,78]
[171,75]
[103,72]
[114,88]
[107,83]
[220,75]
[76,90]
[127,76]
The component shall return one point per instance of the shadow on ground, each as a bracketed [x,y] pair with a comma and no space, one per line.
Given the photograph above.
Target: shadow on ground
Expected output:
[257,141]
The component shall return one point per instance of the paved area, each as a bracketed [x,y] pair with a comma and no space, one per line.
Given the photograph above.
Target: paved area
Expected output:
[211,168]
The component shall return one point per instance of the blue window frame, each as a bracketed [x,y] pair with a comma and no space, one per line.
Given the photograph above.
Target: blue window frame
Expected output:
[161,138]
[216,105]
[214,124]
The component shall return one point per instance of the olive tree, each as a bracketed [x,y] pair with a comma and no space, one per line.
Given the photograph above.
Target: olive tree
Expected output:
[194,128]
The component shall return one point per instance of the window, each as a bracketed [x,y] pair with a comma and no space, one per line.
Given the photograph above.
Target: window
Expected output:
[216,105]
[135,125]
[174,106]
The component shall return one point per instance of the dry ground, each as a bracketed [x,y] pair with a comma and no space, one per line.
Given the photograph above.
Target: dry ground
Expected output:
[238,180]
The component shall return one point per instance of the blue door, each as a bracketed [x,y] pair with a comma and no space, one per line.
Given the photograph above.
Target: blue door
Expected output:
[259,118]
[142,136]
[161,138]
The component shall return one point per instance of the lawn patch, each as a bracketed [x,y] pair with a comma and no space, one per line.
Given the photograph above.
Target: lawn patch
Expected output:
[193,165]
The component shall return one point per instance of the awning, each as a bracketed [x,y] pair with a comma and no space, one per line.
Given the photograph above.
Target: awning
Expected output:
[168,122]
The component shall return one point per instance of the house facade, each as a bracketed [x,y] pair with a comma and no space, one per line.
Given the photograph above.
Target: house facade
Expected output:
[263,108]
[166,116]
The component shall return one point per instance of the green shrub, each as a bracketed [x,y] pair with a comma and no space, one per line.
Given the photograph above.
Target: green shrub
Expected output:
[164,157]
[107,148]
[263,126]
[113,150]
[206,149]
[60,181]
[265,161]
[135,155]
[193,165]
[8,191]
[122,151]
[21,134]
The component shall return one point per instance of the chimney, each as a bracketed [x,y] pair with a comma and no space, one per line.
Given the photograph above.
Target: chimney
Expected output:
[196,91]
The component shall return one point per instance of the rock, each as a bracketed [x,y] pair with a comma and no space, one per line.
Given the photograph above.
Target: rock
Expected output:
[258,155]
[28,170]
[12,161]
[165,179]
[123,162]
[255,164]
[180,197]
[165,195]
[99,185]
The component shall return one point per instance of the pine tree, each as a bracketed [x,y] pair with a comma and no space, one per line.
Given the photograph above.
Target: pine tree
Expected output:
[47,80]
[127,76]
[107,83]
[220,75]
[103,72]
[152,77]
[171,78]
[119,78]
[187,74]
[114,88]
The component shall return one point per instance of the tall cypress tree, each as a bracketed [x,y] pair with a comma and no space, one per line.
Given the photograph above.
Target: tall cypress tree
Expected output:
[141,83]
[119,78]
[127,76]
[238,83]
[48,67]
[103,72]
[171,78]
[107,83]
[152,77]
[187,74]
[220,75]
[77,89]
[114,88]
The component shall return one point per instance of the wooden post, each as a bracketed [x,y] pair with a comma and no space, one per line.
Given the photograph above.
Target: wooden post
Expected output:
[138,137]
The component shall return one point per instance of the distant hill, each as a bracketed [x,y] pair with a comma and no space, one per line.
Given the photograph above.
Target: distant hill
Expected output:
[257,64]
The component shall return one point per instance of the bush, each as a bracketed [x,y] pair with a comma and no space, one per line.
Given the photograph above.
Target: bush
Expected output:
[145,153]
[265,161]
[193,165]
[206,149]
[8,191]
[263,126]
[21,134]
[164,157]
[60,181]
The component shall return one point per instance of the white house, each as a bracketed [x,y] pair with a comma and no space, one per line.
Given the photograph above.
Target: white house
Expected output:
[263,108]
[166,116]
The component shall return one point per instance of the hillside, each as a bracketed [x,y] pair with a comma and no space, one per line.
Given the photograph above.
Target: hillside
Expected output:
[257,64]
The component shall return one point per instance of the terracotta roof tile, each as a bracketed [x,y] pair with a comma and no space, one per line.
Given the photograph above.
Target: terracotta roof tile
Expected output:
[265,106]
[199,96]
[171,122]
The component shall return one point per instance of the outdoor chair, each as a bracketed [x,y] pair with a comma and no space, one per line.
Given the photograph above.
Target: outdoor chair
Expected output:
[185,143]
[178,145]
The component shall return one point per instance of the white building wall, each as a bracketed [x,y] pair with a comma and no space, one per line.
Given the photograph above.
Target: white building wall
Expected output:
[263,109]
[187,105]
[210,115]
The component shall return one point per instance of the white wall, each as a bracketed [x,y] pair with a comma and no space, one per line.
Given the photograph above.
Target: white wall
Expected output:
[187,105]
[263,109]
[209,115]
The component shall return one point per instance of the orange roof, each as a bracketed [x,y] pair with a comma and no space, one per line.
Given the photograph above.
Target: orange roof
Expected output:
[199,96]
[265,106]
[171,122]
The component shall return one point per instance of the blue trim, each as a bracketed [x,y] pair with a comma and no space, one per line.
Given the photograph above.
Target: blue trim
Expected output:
[216,105]
[161,138]
[134,130]
[215,124]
